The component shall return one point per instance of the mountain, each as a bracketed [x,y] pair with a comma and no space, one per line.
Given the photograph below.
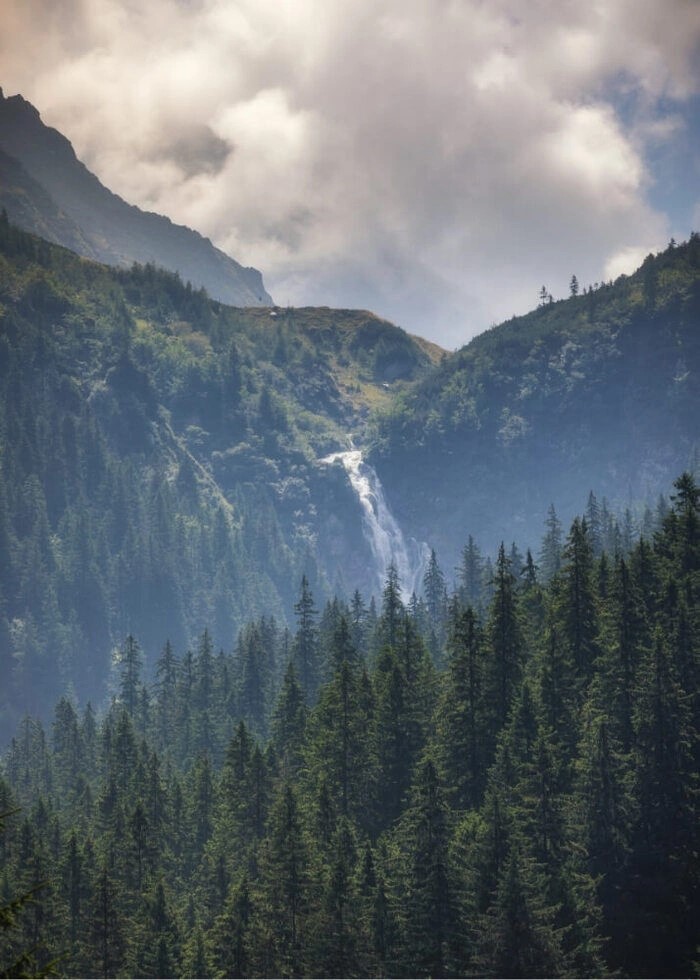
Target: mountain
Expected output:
[45,189]
[599,392]
[165,463]
[160,457]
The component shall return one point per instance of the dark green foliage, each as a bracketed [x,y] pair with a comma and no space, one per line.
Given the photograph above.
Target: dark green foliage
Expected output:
[428,908]
[306,656]
[530,809]
[462,715]
[595,391]
[575,610]
[158,473]
[503,666]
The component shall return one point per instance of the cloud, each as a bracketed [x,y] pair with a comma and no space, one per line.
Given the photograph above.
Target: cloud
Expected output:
[436,160]
[625,261]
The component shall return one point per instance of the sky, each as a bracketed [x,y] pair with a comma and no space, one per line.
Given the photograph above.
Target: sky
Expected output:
[435,161]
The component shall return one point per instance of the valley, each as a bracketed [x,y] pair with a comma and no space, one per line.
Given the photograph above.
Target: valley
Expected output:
[325,651]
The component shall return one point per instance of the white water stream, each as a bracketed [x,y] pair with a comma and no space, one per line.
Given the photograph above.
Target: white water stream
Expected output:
[383,534]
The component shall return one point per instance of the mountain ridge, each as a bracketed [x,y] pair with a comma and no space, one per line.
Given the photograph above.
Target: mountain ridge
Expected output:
[160,466]
[140,418]
[599,392]
[109,229]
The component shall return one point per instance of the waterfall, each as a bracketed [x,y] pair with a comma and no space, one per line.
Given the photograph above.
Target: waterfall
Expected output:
[380,527]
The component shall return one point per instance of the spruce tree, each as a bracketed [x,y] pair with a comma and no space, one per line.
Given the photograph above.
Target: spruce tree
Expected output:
[429,914]
[461,712]
[283,901]
[575,602]
[435,595]
[504,651]
[305,650]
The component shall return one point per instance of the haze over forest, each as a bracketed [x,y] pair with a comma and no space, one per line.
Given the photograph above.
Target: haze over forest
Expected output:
[327,649]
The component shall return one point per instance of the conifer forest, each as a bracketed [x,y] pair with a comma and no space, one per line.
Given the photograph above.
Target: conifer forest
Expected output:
[501,781]
[274,701]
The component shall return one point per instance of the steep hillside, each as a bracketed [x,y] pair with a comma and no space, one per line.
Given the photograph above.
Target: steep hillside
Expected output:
[65,203]
[598,392]
[158,467]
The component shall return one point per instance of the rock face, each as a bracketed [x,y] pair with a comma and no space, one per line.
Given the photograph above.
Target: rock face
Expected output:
[45,189]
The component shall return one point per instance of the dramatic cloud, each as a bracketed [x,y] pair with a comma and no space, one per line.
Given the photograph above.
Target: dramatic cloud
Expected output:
[434,160]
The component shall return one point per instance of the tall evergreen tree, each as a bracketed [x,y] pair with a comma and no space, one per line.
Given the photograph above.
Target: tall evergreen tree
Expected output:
[461,715]
[283,902]
[551,553]
[341,748]
[289,725]
[504,648]
[306,657]
[429,908]
[435,595]
[471,572]
[392,608]
[130,662]
[575,604]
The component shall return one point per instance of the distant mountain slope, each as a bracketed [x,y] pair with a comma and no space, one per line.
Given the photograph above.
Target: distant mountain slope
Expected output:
[597,392]
[31,207]
[66,203]
[159,462]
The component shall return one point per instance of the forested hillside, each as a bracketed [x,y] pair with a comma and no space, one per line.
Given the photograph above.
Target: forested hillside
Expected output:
[158,467]
[598,392]
[509,792]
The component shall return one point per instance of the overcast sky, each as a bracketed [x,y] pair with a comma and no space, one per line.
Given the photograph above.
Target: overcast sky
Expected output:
[437,161]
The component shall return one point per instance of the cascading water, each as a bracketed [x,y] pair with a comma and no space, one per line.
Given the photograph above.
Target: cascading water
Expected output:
[380,527]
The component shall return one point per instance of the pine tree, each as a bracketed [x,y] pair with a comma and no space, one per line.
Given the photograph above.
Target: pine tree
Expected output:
[600,815]
[67,748]
[255,683]
[306,657]
[436,605]
[336,927]
[504,647]
[358,624]
[557,691]
[471,572]
[229,939]
[682,529]
[243,799]
[195,961]
[376,927]
[429,909]
[594,525]
[130,662]
[106,928]
[551,553]
[341,746]
[283,901]
[289,725]
[575,602]
[393,612]
[202,700]
[519,936]
[628,640]
[461,713]
[201,803]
